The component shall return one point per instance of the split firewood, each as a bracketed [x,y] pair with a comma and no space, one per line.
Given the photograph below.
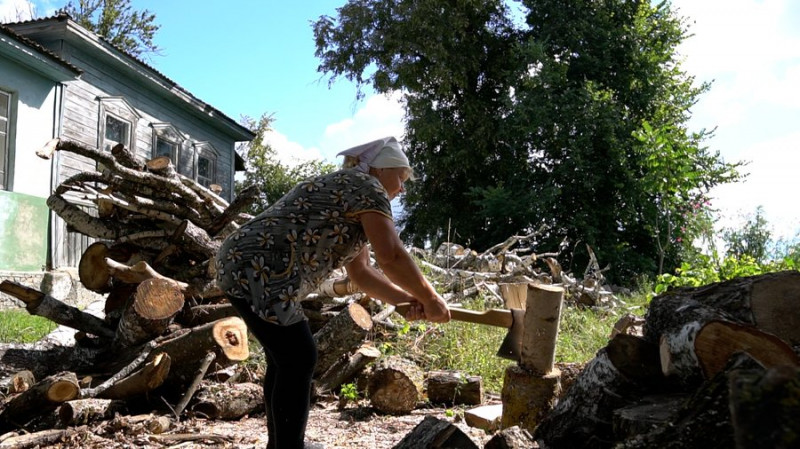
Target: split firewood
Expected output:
[228,401]
[435,433]
[88,411]
[395,385]
[154,304]
[45,395]
[37,303]
[453,387]
[346,368]
[341,335]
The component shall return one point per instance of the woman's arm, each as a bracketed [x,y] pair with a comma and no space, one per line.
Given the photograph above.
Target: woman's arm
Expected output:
[395,262]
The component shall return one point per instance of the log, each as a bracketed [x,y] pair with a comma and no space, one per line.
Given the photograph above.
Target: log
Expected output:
[151,376]
[485,417]
[542,317]
[242,201]
[37,303]
[583,416]
[226,337]
[453,387]
[767,302]
[528,396]
[395,385]
[511,438]
[162,165]
[92,268]
[89,411]
[154,304]
[229,401]
[340,335]
[635,358]
[21,381]
[44,438]
[125,157]
[717,341]
[138,273]
[764,407]
[646,414]
[435,433]
[199,374]
[514,294]
[206,313]
[346,369]
[42,397]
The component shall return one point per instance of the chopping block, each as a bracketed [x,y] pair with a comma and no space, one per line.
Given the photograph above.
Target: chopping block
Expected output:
[532,385]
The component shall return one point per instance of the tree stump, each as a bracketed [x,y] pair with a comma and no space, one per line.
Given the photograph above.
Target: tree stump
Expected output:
[435,433]
[395,385]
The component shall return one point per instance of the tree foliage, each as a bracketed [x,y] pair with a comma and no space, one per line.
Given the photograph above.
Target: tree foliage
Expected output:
[264,169]
[127,29]
[573,122]
[752,239]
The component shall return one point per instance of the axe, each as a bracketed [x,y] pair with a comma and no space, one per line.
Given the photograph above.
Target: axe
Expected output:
[513,320]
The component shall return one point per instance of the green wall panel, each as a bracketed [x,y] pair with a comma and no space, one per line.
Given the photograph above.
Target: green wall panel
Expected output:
[23,232]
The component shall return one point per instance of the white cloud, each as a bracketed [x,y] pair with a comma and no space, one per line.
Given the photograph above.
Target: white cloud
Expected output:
[15,10]
[380,116]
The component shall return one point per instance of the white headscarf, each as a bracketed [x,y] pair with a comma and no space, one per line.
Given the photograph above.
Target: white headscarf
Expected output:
[381,153]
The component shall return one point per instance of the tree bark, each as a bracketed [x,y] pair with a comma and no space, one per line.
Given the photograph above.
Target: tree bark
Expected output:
[341,335]
[453,387]
[435,433]
[346,368]
[228,401]
[37,303]
[43,396]
[155,303]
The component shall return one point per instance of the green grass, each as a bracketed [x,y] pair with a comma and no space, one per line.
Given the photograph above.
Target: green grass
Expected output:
[472,348]
[18,326]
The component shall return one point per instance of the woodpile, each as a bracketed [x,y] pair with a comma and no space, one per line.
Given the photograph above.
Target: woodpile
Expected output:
[716,366]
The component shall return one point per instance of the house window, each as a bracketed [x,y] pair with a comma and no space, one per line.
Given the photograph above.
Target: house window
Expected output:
[116,131]
[5,120]
[206,164]
[167,141]
[205,170]
[117,123]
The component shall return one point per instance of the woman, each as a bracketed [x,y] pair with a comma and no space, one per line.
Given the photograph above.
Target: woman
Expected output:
[285,252]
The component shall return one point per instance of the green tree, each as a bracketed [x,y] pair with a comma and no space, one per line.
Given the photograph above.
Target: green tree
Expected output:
[263,168]
[574,122]
[752,239]
[128,29]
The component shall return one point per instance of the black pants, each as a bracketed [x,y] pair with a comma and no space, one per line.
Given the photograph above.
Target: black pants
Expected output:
[291,357]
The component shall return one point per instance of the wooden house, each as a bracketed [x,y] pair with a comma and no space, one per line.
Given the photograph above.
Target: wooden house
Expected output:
[57,79]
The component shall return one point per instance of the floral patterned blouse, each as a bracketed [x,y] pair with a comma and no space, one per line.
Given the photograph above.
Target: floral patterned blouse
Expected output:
[285,252]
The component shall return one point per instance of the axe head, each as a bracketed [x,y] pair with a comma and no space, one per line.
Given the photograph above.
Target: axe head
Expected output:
[511,348]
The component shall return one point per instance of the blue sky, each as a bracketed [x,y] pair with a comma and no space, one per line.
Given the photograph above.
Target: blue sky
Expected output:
[251,57]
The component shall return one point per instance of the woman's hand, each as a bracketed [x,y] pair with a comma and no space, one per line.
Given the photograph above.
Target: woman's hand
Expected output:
[436,311]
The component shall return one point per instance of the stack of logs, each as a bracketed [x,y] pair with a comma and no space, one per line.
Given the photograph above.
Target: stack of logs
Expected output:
[164,323]
[715,366]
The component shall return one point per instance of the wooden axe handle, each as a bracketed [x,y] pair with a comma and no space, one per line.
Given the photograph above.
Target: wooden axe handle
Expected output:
[492,317]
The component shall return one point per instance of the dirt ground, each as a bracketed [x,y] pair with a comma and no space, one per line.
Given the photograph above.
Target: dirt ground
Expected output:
[350,428]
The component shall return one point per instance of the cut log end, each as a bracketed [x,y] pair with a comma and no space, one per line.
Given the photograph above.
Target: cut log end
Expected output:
[158,299]
[92,269]
[231,335]
[360,316]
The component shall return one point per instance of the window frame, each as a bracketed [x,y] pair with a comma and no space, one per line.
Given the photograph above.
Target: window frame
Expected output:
[119,109]
[7,155]
[206,151]
[169,133]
